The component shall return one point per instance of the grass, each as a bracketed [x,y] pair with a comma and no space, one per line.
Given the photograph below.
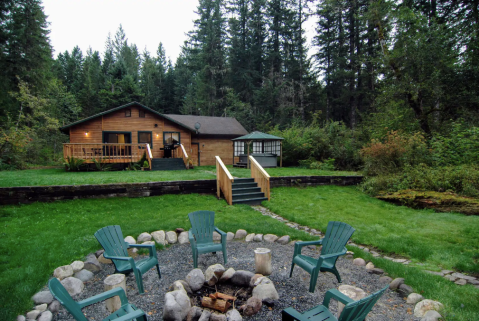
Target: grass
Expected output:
[58,176]
[39,237]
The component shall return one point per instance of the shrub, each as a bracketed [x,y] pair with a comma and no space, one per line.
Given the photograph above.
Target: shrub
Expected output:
[461,146]
[101,166]
[73,164]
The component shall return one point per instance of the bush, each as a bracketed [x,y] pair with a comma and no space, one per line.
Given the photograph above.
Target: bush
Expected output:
[461,146]
[73,164]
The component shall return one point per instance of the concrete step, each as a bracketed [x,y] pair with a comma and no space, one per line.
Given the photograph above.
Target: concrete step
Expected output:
[251,201]
[247,196]
[237,191]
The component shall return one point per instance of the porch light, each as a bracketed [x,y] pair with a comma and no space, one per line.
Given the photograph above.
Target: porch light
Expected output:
[86,133]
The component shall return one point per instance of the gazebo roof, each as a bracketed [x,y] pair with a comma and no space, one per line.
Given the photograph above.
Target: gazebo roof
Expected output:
[258,136]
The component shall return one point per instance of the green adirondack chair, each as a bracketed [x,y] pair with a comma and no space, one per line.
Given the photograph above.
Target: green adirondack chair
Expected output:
[125,312]
[116,249]
[337,235]
[201,235]
[353,310]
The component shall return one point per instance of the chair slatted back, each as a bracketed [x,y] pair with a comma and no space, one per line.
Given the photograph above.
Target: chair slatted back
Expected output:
[337,235]
[112,241]
[62,295]
[202,225]
[358,310]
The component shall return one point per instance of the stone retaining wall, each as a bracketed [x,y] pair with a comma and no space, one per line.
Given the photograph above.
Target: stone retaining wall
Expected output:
[30,194]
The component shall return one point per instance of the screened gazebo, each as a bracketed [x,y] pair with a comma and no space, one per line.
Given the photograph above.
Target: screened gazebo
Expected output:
[265,148]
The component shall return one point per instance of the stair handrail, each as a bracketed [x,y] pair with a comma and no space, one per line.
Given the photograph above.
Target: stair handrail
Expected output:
[149,155]
[260,176]
[224,181]
[184,155]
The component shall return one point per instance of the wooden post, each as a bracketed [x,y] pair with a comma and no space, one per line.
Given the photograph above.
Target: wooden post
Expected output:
[281,154]
[262,259]
[111,282]
[248,165]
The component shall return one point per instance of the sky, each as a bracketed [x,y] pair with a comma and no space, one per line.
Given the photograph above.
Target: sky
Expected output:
[86,23]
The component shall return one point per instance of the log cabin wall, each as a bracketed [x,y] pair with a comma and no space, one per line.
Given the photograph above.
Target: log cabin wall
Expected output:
[211,147]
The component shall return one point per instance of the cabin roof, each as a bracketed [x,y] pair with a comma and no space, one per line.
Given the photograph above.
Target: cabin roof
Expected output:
[211,125]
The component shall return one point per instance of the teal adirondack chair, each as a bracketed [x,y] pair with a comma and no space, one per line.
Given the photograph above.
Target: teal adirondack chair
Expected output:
[353,310]
[125,312]
[337,235]
[201,235]
[116,249]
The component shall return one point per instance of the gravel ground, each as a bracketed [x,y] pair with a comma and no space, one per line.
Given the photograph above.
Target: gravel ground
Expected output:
[176,262]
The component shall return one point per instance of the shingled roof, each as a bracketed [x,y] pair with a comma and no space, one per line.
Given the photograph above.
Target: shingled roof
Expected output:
[211,125]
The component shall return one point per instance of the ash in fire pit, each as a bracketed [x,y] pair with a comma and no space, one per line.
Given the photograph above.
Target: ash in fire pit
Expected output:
[218,291]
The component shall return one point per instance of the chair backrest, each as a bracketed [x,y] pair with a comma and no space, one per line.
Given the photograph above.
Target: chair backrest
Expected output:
[202,225]
[62,295]
[358,310]
[112,241]
[337,235]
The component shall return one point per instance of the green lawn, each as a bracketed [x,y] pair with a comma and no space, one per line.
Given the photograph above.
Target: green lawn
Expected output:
[58,176]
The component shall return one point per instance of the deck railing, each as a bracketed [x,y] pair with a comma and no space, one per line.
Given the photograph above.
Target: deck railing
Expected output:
[260,176]
[182,153]
[107,153]
[224,181]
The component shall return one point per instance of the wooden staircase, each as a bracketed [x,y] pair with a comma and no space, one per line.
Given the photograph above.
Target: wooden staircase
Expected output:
[246,191]
[167,164]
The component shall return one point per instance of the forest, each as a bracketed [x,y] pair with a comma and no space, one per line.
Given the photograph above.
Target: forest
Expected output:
[386,86]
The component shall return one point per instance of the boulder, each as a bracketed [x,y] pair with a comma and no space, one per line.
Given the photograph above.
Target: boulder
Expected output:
[176,286]
[394,285]
[233,315]
[270,238]
[143,237]
[186,286]
[45,316]
[252,306]
[258,238]
[205,316]
[283,239]
[359,261]
[254,279]
[265,289]
[177,305]
[194,314]
[159,237]
[242,278]
[230,236]
[352,292]
[43,297]
[84,275]
[461,282]
[77,266]
[195,279]
[431,315]
[217,317]
[404,290]
[178,230]
[99,252]
[250,237]
[102,260]
[414,298]
[73,285]
[227,275]
[370,266]
[32,315]
[54,307]
[91,263]
[63,272]
[21,318]
[385,279]
[171,237]
[213,273]
[463,276]
[41,307]
[130,239]
[183,238]
[240,234]
[149,243]
[425,305]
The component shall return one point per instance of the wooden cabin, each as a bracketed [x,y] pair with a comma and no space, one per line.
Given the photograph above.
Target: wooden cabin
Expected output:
[125,133]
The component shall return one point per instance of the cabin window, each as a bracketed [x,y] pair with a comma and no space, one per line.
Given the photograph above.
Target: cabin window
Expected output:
[142,113]
[145,138]
[127,112]
[171,138]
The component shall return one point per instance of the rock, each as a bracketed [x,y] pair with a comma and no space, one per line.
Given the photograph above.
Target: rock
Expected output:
[268,302]
[270,238]
[359,261]
[227,275]
[99,252]
[388,258]
[179,230]
[254,279]
[159,237]
[195,279]
[435,273]
[444,272]
[183,238]
[102,260]
[213,273]
[425,305]
[352,292]
[77,266]
[217,317]
[133,252]
[91,263]
[54,307]
[414,298]
[63,272]
[216,236]
[265,290]
[32,315]
[21,318]
[258,238]
[366,249]
[404,290]
[240,234]
[250,237]
[233,315]
[374,253]
[394,285]
[41,307]
[143,237]
[431,315]
[177,305]
[149,243]
[376,271]
[46,316]
[171,237]
[461,282]
[177,286]
[399,260]
[194,314]
[73,285]
[385,279]
[451,278]
[130,239]
[43,297]
[84,275]
[284,239]
[205,316]
[230,236]
[473,282]
[242,278]
[370,266]
[463,276]
[252,306]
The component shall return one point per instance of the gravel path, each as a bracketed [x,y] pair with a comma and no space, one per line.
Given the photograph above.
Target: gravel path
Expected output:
[176,262]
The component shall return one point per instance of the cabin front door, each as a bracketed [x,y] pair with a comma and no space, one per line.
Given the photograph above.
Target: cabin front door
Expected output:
[117,138]
[194,154]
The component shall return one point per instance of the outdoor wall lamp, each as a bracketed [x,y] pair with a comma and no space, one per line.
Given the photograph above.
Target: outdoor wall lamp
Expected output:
[86,133]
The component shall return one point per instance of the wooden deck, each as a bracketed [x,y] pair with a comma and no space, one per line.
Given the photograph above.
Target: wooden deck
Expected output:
[106,153]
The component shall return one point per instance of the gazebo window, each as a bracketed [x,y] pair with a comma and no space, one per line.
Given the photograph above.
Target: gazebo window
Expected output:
[257,147]
[238,148]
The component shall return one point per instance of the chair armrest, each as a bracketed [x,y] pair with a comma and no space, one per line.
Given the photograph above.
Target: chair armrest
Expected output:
[335,294]
[191,237]
[120,258]
[131,316]
[151,248]
[328,256]
[105,295]
[291,314]
[299,245]
[223,235]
